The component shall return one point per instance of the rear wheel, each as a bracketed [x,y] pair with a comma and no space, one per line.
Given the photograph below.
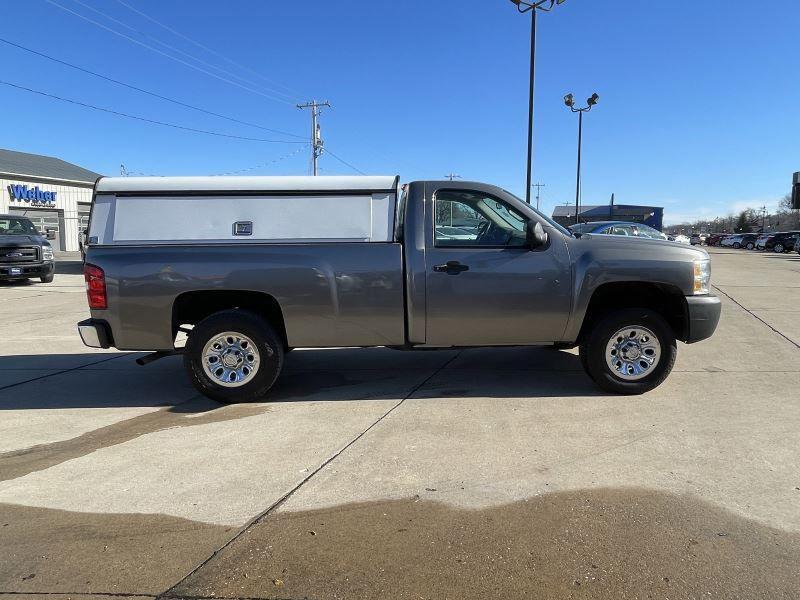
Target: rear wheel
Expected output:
[750,245]
[778,248]
[233,356]
[737,245]
[629,351]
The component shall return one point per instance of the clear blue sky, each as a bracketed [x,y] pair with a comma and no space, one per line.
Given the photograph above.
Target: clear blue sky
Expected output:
[698,107]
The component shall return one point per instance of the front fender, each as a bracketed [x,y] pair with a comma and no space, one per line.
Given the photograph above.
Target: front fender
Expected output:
[601,260]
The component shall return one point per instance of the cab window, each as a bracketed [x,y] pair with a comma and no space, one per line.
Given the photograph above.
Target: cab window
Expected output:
[467,218]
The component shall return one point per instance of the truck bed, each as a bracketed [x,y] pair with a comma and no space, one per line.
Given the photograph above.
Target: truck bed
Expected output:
[336,294]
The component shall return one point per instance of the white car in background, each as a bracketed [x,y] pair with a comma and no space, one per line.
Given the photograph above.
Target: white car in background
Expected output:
[732,241]
[761,240]
[680,238]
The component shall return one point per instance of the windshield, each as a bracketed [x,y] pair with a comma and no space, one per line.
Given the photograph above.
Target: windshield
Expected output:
[647,231]
[550,221]
[583,227]
[17,226]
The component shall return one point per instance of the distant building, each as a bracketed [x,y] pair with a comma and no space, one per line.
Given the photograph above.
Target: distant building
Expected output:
[649,215]
[54,194]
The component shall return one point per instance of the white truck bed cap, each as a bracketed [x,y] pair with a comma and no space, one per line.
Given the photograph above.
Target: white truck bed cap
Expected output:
[371,183]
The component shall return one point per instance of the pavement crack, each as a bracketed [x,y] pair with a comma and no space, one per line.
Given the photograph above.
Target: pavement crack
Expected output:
[79,594]
[751,313]
[79,367]
[168,594]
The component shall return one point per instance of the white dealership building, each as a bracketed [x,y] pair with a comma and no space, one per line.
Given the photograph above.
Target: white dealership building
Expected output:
[54,194]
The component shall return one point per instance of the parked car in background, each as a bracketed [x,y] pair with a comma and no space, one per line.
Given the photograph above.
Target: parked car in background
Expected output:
[732,241]
[761,240]
[714,239]
[619,228]
[785,241]
[24,252]
[749,241]
[680,238]
[698,239]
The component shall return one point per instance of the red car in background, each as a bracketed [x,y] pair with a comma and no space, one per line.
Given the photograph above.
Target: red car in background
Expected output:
[714,239]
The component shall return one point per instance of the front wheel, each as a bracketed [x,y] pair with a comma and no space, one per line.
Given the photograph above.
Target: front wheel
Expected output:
[233,356]
[750,246]
[629,351]
[47,278]
[737,245]
[778,248]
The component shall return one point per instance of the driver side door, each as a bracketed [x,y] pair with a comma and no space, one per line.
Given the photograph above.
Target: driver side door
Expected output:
[484,284]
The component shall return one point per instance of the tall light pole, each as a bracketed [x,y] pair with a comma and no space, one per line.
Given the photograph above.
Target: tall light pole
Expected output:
[532,6]
[569,100]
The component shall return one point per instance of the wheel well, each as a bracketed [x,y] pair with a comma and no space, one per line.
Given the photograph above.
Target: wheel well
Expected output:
[667,300]
[192,307]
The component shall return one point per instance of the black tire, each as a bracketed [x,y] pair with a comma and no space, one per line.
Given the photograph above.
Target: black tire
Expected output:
[47,278]
[737,245]
[778,248]
[593,350]
[750,246]
[267,342]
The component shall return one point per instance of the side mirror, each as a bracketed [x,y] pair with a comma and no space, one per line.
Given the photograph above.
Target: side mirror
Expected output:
[535,235]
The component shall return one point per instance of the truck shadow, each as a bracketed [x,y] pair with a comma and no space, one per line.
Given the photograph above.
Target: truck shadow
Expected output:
[69,267]
[113,379]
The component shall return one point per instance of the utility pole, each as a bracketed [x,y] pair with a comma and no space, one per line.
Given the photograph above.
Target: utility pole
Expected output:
[452,176]
[538,187]
[316,137]
[123,172]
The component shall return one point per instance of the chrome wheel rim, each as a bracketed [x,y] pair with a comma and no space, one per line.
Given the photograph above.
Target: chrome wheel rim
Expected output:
[230,359]
[633,352]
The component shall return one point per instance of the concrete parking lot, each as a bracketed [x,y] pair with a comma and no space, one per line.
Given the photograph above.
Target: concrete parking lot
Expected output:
[486,473]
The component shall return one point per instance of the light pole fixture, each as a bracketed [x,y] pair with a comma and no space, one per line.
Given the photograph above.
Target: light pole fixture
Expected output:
[569,100]
[533,7]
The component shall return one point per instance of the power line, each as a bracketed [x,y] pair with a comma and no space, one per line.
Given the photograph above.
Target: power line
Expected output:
[145,119]
[154,94]
[266,164]
[173,48]
[161,52]
[344,162]
[206,48]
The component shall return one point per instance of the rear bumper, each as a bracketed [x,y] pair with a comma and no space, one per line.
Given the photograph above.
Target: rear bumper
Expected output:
[26,270]
[704,312]
[95,333]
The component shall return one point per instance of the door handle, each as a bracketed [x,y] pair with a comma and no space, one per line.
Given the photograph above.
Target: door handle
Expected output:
[453,267]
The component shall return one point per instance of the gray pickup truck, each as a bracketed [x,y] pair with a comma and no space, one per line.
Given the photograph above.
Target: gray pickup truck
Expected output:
[247,268]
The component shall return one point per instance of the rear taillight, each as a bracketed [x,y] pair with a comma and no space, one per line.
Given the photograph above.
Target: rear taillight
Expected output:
[95,286]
